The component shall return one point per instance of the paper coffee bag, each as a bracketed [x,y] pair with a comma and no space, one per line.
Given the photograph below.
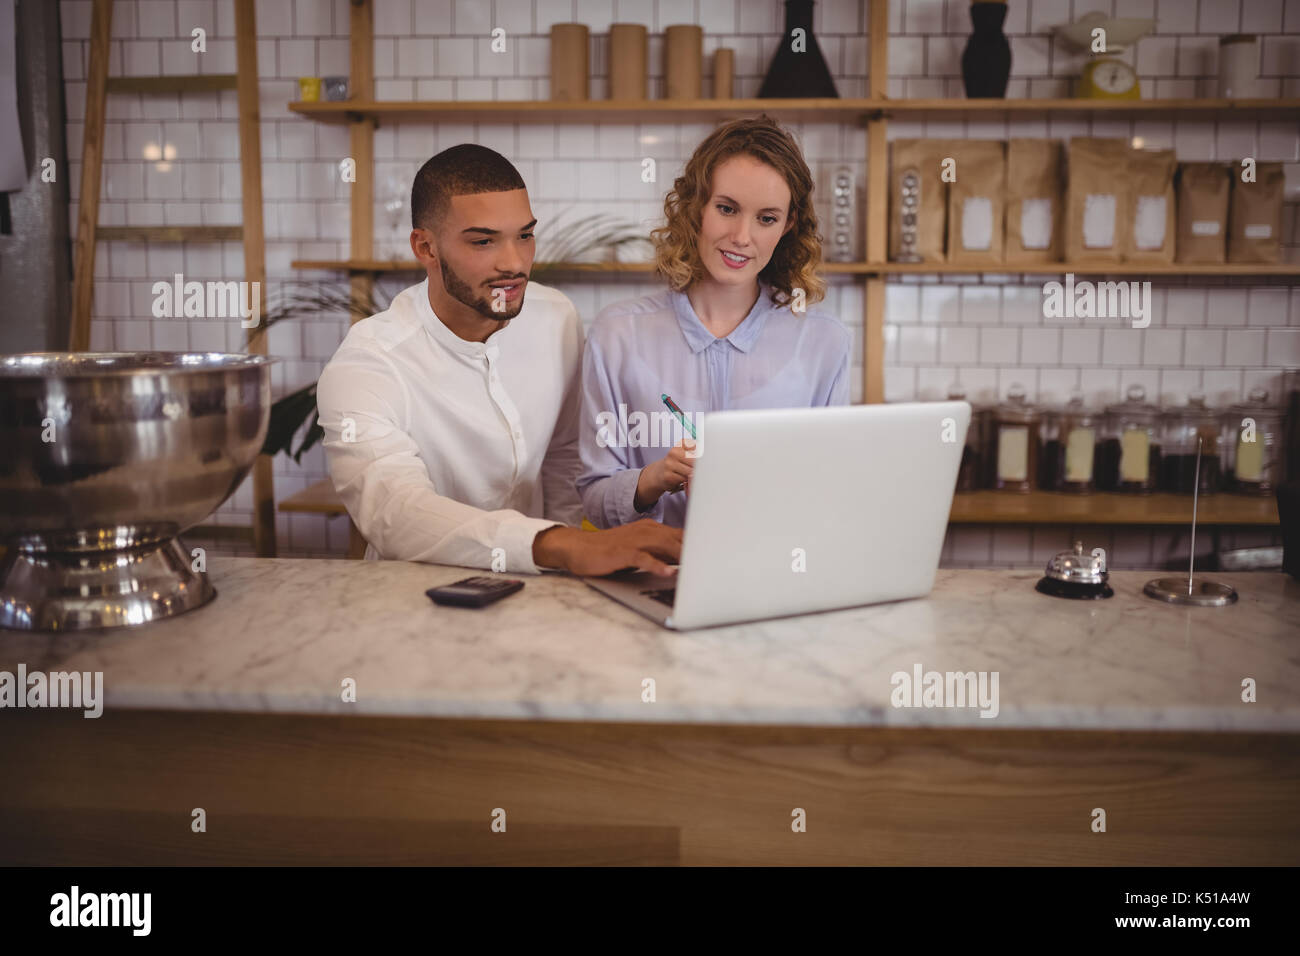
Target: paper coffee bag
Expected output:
[1255,215]
[1152,228]
[976,198]
[1203,212]
[1033,205]
[1096,199]
[918,200]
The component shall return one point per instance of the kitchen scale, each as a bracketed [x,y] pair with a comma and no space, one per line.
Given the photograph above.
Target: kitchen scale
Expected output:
[1104,77]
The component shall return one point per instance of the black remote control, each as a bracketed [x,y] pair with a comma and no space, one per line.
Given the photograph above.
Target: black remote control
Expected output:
[474,592]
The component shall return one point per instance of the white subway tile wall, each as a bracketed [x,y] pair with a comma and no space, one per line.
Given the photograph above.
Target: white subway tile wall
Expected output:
[172,159]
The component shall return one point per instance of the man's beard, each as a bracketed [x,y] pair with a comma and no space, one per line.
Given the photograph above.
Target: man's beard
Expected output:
[461,291]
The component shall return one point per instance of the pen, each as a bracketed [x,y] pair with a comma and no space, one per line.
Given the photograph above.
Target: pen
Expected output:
[681,416]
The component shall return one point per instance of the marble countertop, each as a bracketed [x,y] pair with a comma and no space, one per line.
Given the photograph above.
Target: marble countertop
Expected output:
[283,634]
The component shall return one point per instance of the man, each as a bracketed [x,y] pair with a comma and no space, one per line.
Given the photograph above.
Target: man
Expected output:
[451,418]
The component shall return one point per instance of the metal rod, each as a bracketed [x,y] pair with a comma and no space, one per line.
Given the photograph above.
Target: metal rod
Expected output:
[1196,493]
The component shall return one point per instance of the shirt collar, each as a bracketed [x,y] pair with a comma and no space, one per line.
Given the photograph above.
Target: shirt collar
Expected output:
[449,339]
[742,336]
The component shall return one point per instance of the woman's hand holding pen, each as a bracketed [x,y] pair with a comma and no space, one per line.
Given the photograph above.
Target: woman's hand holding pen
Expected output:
[668,474]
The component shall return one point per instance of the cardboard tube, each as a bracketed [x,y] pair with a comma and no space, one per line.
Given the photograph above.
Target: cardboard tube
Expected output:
[724,71]
[569,73]
[683,51]
[629,59]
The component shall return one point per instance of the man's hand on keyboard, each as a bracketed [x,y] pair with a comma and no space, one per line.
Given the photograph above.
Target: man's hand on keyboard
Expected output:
[645,544]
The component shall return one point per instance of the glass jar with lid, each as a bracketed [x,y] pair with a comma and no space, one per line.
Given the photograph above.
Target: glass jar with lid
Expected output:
[1181,428]
[1076,443]
[1252,433]
[1015,442]
[1128,455]
[969,474]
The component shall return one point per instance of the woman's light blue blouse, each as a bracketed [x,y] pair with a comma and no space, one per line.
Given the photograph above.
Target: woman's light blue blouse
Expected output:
[643,348]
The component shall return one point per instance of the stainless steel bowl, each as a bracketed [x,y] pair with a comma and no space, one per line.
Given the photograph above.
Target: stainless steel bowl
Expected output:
[106,458]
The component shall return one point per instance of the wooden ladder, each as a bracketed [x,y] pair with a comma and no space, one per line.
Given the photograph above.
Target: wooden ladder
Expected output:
[244,82]
[320,497]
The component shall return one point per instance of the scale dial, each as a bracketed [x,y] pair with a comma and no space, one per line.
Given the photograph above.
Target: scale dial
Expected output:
[1109,79]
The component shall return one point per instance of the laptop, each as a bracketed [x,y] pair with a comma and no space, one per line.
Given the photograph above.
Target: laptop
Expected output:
[807,509]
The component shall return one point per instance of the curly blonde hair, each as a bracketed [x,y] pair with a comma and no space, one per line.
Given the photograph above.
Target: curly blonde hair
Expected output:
[797,255]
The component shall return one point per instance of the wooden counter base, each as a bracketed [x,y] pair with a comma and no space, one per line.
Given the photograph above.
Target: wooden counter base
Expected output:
[288,789]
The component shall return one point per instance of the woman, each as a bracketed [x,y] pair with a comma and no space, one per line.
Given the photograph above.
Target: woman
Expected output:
[739,251]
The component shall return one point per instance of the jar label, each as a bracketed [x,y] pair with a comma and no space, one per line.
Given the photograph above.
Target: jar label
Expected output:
[1079,447]
[1250,460]
[1013,453]
[1134,465]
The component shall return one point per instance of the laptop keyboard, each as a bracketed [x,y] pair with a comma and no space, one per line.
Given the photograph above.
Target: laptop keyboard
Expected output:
[662,595]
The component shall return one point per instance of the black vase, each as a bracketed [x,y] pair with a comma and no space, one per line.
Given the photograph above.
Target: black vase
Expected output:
[986,61]
[798,74]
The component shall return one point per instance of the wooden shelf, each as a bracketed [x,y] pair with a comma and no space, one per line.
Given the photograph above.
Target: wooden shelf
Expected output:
[206,83]
[822,110]
[1088,268]
[995,507]
[319,498]
[411,265]
[524,111]
[872,114]
[867,268]
[980,109]
[171,233]
[1053,507]
[223,532]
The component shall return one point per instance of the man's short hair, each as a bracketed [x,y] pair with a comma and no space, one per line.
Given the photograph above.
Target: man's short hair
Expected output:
[459,171]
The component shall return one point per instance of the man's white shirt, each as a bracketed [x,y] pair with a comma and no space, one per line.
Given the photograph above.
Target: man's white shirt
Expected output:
[445,450]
